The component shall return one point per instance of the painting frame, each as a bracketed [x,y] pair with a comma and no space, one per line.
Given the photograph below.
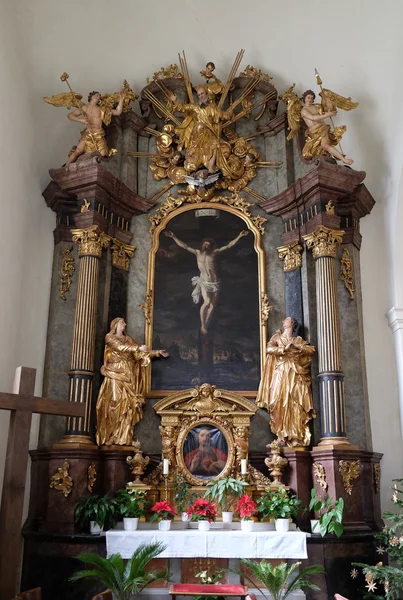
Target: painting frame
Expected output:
[252,226]
[180,446]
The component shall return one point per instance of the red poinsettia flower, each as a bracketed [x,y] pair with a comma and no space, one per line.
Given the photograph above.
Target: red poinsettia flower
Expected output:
[202,510]
[163,511]
[246,507]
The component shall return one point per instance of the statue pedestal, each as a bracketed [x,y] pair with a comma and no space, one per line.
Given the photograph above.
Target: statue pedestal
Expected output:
[116,471]
[298,477]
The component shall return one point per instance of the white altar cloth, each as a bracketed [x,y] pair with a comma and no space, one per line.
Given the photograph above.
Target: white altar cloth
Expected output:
[190,543]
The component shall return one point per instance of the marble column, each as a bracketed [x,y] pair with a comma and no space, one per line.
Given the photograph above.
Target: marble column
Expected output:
[323,242]
[291,255]
[91,242]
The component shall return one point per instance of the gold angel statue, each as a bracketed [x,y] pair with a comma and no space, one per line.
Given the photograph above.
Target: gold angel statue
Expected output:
[93,115]
[320,137]
[122,395]
[285,388]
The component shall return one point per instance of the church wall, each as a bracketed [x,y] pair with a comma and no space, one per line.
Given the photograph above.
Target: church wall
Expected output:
[46,34]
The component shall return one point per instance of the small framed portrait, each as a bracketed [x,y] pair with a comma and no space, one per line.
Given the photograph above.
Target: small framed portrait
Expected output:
[206,452]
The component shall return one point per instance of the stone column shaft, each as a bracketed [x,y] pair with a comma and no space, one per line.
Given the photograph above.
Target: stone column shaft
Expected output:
[91,242]
[324,242]
[291,255]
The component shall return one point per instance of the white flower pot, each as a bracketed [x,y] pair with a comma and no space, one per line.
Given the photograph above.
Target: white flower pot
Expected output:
[227,516]
[203,526]
[282,525]
[315,528]
[164,525]
[247,526]
[185,517]
[130,523]
[95,529]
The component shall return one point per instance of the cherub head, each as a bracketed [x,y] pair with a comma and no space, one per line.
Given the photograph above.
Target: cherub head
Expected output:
[249,159]
[210,67]
[94,97]
[202,94]
[308,97]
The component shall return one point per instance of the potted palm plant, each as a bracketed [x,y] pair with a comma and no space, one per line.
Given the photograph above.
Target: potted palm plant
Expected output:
[131,503]
[225,492]
[330,514]
[100,513]
[204,512]
[246,507]
[164,512]
[280,580]
[121,578]
[182,496]
[279,505]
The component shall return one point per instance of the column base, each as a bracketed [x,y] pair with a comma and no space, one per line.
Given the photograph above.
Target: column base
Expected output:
[79,441]
[335,442]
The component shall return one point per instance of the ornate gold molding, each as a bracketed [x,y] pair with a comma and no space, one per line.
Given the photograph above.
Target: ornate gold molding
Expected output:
[265,309]
[291,255]
[320,475]
[235,201]
[349,471]
[61,480]
[67,269]
[90,241]
[377,477]
[91,476]
[147,306]
[121,254]
[323,241]
[346,272]
[166,72]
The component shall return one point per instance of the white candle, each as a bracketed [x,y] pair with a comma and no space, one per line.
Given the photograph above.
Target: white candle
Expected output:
[165,467]
[244,467]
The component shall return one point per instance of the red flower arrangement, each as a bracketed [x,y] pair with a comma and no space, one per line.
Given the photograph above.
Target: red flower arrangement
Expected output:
[246,507]
[202,510]
[163,511]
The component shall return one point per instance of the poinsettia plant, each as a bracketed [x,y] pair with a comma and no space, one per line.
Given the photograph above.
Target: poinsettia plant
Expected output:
[246,507]
[202,510]
[163,511]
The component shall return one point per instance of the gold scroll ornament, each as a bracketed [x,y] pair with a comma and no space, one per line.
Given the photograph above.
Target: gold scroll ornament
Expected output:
[349,471]
[67,269]
[61,480]
[121,254]
[291,255]
[346,273]
[377,477]
[320,475]
[91,477]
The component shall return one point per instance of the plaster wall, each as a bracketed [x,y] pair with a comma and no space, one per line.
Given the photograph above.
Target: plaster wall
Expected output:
[357,48]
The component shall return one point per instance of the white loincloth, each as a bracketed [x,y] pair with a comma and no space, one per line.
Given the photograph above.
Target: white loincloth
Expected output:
[207,286]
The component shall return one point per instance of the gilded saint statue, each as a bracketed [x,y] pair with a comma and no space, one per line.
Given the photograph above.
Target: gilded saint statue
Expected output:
[121,397]
[285,388]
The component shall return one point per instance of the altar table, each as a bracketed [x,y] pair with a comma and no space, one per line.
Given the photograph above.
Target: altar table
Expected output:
[191,543]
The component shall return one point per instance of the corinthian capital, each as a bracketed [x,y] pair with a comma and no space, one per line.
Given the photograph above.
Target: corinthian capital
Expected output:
[323,241]
[291,255]
[121,254]
[90,241]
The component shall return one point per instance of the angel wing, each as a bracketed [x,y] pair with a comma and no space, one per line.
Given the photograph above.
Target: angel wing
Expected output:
[331,100]
[66,99]
[294,107]
[109,101]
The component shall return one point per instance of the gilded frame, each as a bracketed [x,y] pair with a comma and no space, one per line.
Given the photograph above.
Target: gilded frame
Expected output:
[148,306]
[192,479]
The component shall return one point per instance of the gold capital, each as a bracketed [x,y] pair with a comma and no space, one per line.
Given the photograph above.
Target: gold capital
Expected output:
[291,255]
[121,254]
[323,241]
[90,241]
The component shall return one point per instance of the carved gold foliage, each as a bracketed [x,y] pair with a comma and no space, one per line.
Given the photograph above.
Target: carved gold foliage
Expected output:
[90,241]
[291,255]
[166,72]
[329,207]
[171,204]
[91,476]
[67,269]
[61,480]
[147,306]
[346,273]
[320,475]
[85,206]
[121,254]
[251,71]
[265,308]
[323,241]
[349,471]
[377,477]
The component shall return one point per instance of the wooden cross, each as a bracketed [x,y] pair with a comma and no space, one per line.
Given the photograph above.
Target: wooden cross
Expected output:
[22,403]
